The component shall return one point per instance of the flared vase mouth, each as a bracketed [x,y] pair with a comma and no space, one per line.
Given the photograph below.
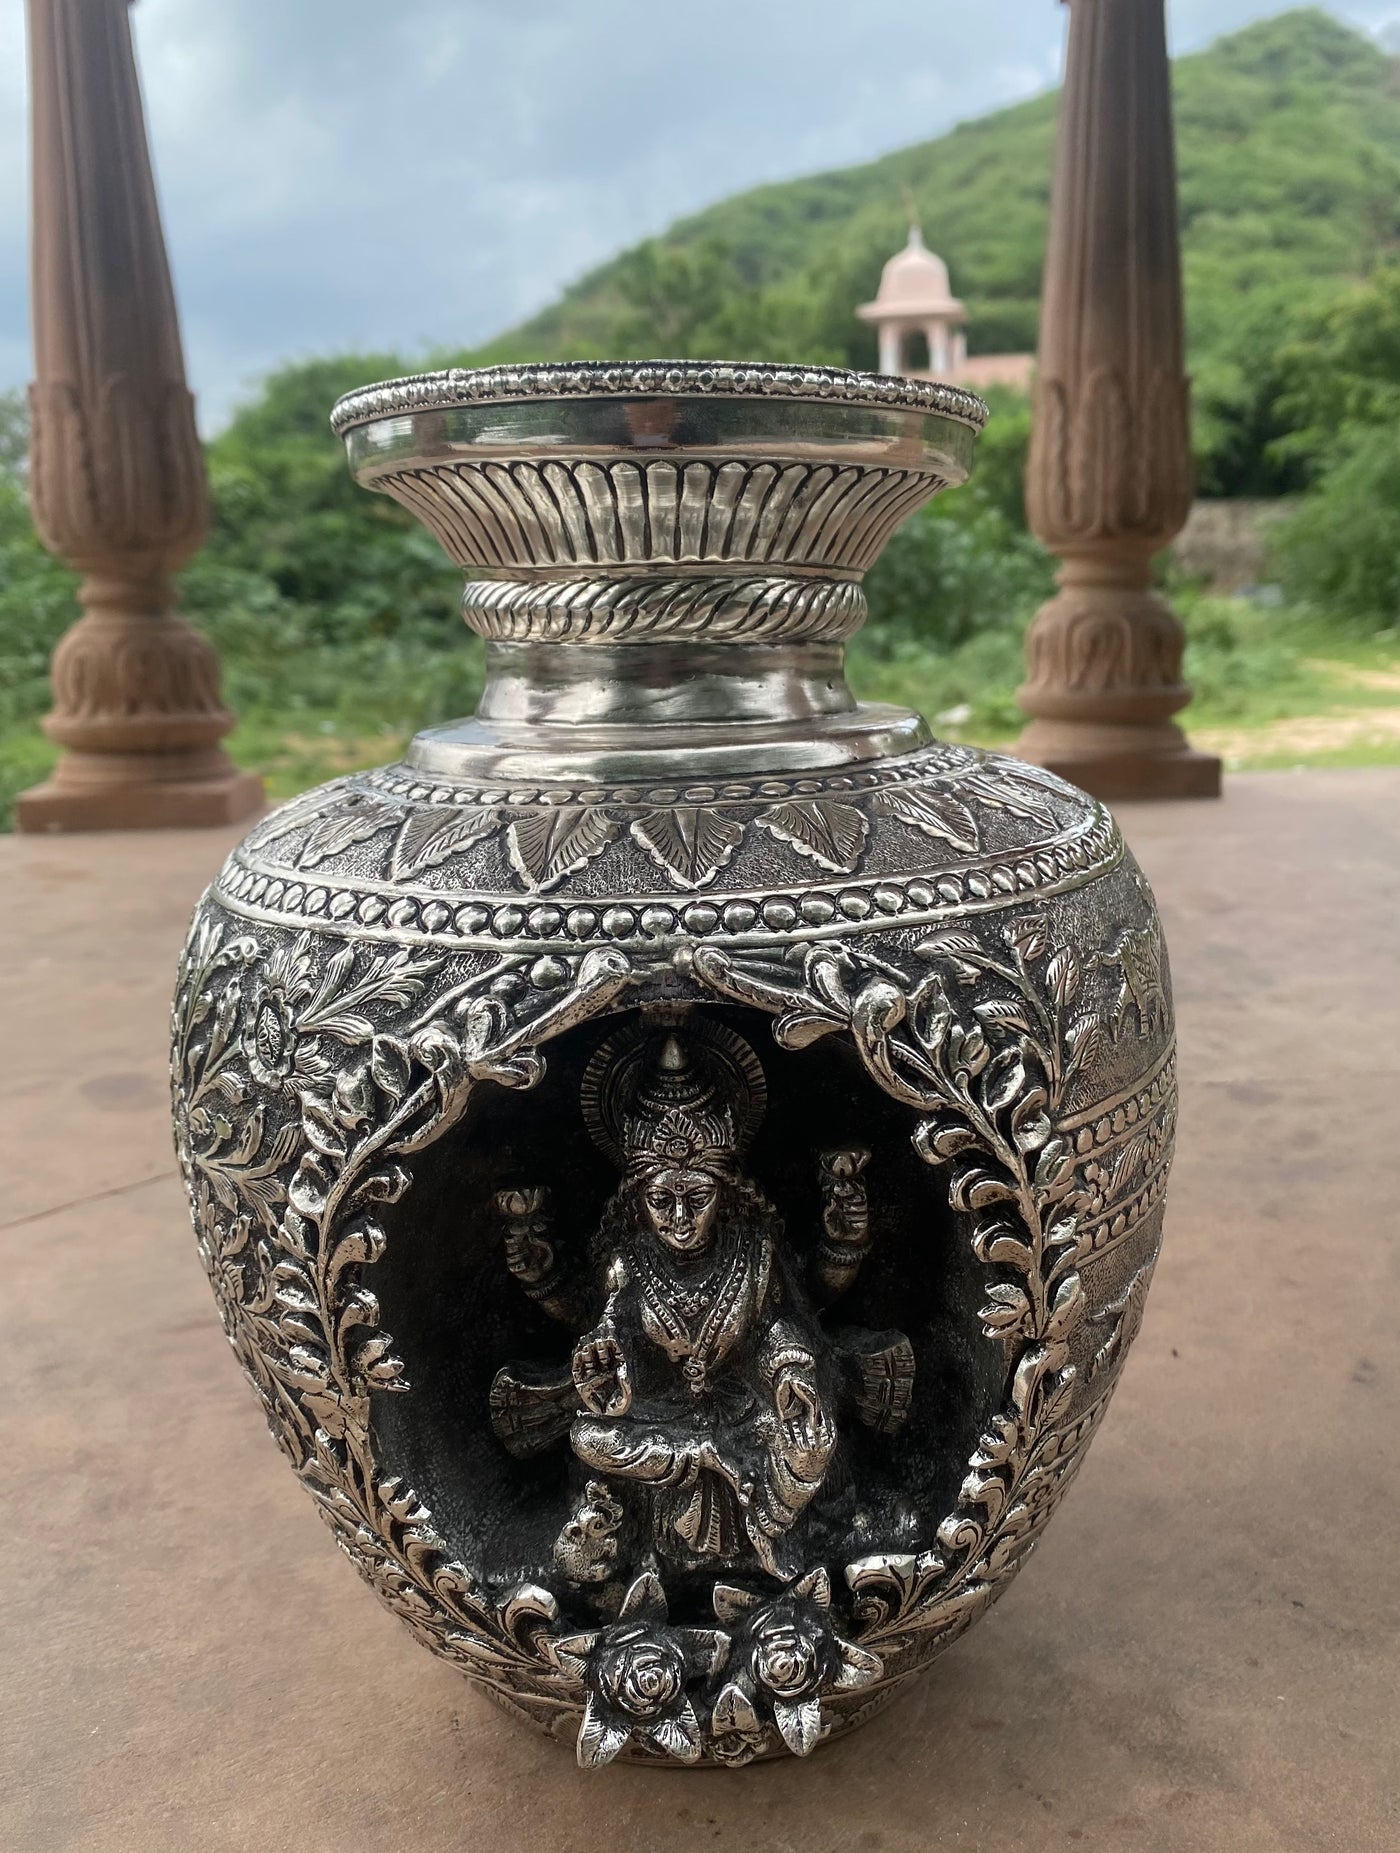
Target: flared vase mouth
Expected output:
[461,387]
[657,550]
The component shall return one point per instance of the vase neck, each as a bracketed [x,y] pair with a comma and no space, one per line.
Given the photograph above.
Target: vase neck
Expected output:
[662,711]
[663,685]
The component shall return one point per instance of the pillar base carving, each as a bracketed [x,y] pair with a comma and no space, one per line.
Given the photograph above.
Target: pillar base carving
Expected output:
[1104,662]
[1117,763]
[142,795]
[138,710]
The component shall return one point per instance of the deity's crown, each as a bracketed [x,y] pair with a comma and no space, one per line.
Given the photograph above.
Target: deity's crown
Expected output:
[688,1094]
[675,1119]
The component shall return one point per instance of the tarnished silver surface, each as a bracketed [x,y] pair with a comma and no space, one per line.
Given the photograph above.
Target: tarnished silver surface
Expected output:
[750,1118]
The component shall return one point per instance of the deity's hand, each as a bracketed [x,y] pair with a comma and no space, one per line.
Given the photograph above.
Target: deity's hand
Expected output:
[529,1252]
[601,1376]
[529,1256]
[806,1428]
[846,1216]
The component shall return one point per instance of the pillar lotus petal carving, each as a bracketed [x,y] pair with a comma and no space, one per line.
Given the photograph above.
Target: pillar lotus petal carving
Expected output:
[1109,478]
[116,472]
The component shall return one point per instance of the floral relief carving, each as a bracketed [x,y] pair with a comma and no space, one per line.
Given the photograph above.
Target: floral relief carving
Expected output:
[546,845]
[635,1674]
[985,1045]
[286,1253]
[311,1076]
[786,1656]
[936,813]
[431,837]
[354,821]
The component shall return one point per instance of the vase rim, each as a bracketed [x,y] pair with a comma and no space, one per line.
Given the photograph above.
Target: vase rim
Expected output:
[452,387]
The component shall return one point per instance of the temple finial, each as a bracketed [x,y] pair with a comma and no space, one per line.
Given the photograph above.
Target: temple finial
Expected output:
[911,212]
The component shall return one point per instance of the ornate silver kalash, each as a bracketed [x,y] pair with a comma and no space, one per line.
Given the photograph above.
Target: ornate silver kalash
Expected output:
[749,1116]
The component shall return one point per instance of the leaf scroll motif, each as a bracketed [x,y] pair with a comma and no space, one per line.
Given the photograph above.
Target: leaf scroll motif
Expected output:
[293,814]
[691,842]
[433,836]
[1085,1040]
[286,1255]
[353,822]
[1006,790]
[1062,975]
[936,813]
[988,1073]
[547,844]
[829,833]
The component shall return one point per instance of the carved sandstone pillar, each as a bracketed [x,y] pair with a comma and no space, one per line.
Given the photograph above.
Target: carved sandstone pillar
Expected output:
[117,478]
[1109,480]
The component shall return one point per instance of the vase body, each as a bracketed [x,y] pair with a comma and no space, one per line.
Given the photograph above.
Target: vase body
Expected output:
[681,1156]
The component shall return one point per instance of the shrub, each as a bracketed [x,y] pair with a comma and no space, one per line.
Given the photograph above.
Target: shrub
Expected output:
[1339,552]
[957,569]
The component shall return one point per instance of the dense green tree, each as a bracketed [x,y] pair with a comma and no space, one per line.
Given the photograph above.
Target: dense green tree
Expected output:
[1339,396]
[1339,552]
[36,593]
[1341,372]
[290,524]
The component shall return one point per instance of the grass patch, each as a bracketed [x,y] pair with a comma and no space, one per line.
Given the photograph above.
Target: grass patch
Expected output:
[26,758]
[1257,674]
[294,751]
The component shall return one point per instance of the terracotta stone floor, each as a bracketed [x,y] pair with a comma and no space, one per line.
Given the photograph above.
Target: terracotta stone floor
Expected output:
[1204,1652]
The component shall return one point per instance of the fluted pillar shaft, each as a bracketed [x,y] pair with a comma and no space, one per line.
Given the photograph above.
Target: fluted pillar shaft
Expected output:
[1109,480]
[116,473]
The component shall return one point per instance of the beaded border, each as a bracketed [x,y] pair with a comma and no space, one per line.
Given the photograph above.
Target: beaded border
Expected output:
[379,910]
[462,386]
[941,759]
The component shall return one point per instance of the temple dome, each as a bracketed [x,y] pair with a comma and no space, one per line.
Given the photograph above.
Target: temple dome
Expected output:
[913,283]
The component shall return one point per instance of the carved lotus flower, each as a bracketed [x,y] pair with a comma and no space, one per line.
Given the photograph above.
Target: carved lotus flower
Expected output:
[786,1657]
[271,1044]
[635,1673]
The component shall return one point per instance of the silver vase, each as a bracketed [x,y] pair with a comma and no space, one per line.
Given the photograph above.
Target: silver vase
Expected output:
[749,1116]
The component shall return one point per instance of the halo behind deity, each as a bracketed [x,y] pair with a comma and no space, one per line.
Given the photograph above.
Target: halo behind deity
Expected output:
[617,1066]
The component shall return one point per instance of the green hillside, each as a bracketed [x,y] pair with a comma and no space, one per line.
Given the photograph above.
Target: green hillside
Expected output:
[1289,148]
[335,614]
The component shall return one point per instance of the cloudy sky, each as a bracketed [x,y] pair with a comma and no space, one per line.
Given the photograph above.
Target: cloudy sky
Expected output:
[362,174]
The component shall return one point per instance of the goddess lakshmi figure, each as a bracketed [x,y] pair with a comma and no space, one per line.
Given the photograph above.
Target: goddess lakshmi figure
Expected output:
[704,1400]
